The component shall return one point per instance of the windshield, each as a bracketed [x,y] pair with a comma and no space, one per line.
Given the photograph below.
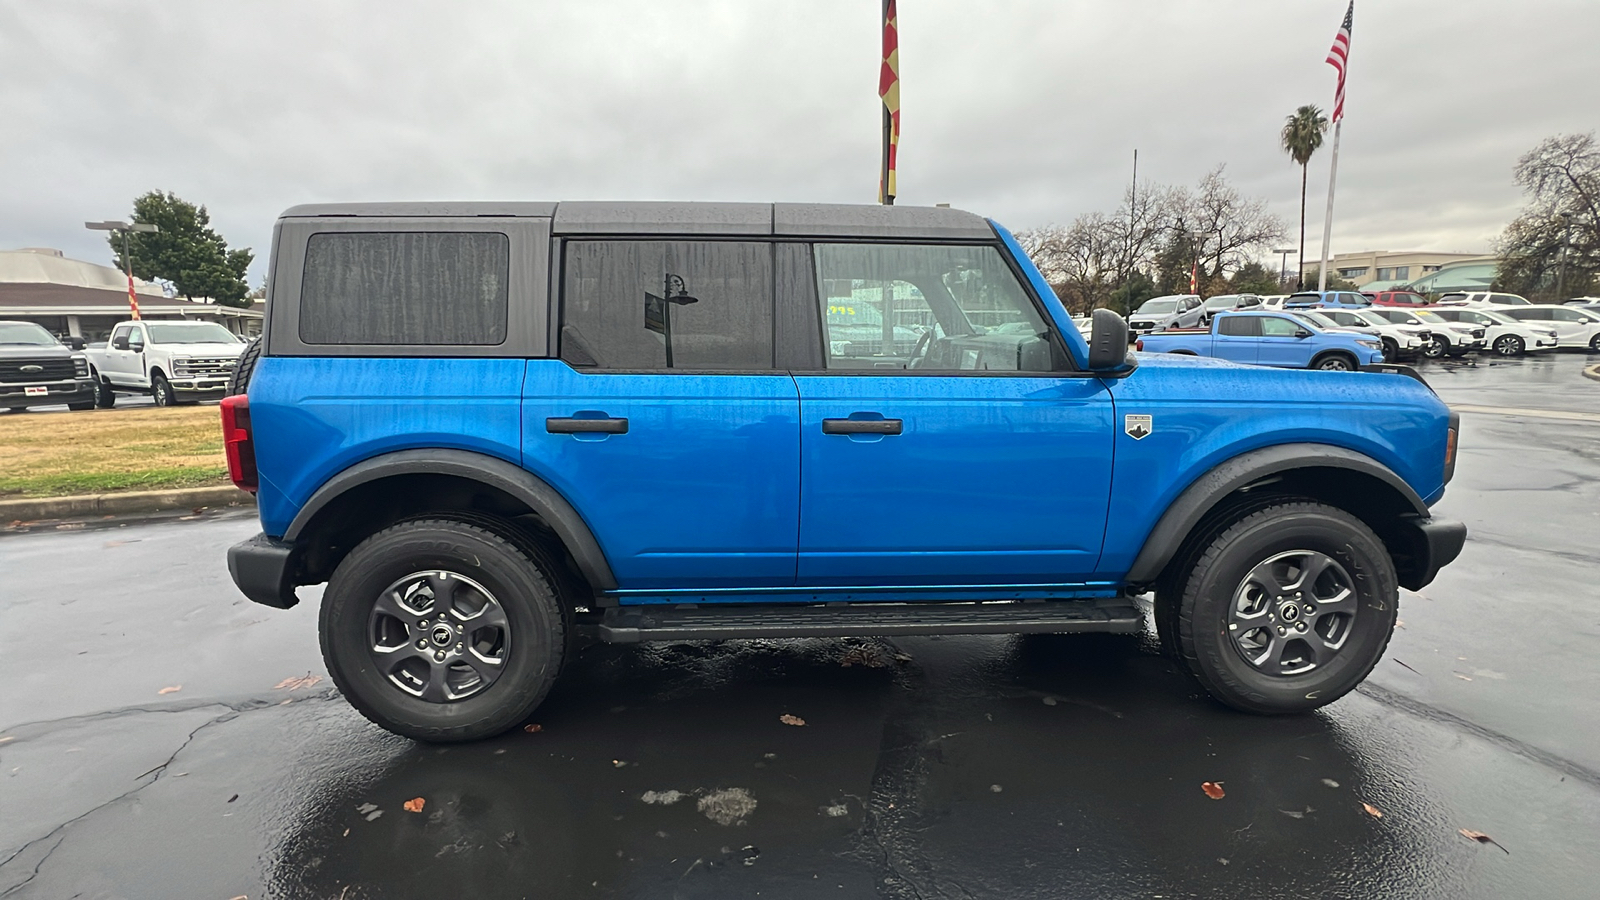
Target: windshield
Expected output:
[189,333]
[1498,318]
[1226,301]
[1373,319]
[1158,306]
[1435,318]
[1317,319]
[25,334]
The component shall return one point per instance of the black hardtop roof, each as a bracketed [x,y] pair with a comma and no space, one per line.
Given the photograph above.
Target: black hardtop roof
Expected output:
[680,218]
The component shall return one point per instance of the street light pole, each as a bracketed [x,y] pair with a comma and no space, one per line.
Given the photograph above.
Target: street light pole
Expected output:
[1283,265]
[1566,241]
[115,226]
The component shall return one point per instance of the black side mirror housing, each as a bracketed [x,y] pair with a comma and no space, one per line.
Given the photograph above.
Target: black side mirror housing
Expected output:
[119,343]
[1108,341]
[1302,333]
[74,343]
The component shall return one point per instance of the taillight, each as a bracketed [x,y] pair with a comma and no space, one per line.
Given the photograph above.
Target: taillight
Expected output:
[1139,345]
[1452,433]
[236,442]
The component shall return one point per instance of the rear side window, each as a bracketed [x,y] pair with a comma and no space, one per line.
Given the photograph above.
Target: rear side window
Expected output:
[659,305]
[410,287]
[1239,326]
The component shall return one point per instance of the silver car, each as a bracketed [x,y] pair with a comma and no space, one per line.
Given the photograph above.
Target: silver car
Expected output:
[1172,311]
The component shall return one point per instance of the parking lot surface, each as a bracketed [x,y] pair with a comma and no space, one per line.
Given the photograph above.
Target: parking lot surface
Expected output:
[162,736]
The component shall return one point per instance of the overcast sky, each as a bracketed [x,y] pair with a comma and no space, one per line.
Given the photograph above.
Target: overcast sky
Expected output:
[1025,111]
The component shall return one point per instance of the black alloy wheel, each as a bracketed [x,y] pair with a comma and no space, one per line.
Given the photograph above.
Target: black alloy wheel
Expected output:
[1285,610]
[1509,345]
[444,630]
[162,391]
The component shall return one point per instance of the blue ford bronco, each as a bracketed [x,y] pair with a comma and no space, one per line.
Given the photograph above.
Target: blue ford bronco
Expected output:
[493,427]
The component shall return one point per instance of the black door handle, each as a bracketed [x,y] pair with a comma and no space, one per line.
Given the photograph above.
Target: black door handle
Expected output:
[861,426]
[586,426]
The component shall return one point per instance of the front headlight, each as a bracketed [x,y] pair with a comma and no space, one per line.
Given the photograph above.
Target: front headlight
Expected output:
[1374,345]
[80,366]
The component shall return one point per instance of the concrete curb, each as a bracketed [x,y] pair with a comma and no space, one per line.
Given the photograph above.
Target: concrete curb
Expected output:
[34,508]
[1592,372]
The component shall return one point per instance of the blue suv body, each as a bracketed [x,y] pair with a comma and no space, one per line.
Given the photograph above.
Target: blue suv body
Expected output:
[490,427]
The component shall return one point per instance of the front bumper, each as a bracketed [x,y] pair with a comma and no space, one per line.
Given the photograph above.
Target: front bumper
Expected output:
[263,569]
[1421,547]
[19,396]
[200,388]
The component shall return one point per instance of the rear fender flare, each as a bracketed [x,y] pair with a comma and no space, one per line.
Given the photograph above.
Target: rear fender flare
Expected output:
[1227,477]
[530,489]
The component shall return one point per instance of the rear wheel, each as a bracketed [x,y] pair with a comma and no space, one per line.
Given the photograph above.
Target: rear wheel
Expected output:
[1594,343]
[1509,345]
[441,630]
[1287,609]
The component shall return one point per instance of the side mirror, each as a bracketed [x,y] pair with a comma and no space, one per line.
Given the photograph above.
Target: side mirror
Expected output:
[1108,341]
[75,343]
[1301,333]
[120,342]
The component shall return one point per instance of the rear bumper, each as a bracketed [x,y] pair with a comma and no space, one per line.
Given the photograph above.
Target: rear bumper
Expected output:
[1421,547]
[263,569]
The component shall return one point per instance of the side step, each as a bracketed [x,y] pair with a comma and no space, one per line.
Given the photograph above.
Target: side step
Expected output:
[636,624]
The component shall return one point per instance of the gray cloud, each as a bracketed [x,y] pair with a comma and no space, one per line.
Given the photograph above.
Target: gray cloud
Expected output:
[1027,111]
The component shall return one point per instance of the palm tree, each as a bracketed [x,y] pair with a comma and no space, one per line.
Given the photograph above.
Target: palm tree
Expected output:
[1302,135]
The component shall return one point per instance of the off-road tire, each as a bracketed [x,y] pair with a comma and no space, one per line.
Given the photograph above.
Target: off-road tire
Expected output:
[239,381]
[1196,622]
[519,582]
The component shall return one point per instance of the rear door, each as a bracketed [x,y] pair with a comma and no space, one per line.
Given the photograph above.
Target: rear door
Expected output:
[666,422]
[948,445]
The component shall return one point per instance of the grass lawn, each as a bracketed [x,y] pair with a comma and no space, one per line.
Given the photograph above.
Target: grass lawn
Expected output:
[104,450]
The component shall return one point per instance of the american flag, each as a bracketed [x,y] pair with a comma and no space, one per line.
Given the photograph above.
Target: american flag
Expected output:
[889,92]
[1339,57]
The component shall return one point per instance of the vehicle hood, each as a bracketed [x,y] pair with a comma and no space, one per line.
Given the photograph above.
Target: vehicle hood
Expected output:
[54,351]
[200,349]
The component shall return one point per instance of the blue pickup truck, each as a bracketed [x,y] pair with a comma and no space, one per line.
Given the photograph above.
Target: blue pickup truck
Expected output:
[491,428]
[1270,339]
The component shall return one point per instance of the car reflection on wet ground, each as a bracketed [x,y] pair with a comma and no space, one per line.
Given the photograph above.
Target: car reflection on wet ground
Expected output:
[1040,766]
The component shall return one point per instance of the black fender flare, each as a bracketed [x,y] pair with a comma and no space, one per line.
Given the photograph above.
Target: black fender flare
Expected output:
[491,471]
[1205,492]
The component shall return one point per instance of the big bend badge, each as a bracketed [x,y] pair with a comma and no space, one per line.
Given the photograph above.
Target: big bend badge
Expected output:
[1138,427]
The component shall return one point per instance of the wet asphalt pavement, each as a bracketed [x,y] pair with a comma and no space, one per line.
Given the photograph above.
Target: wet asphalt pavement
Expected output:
[926,768]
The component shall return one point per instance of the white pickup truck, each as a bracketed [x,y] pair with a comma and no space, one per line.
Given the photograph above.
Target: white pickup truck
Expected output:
[173,361]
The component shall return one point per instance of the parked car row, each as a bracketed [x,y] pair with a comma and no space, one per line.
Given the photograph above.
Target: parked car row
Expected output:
[172,361]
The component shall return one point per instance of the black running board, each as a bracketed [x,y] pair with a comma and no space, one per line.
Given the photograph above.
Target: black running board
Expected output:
[636,624]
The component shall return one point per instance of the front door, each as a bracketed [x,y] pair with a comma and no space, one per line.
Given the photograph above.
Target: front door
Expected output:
[1281,343]
[124,357]
[938,447]
[665,423]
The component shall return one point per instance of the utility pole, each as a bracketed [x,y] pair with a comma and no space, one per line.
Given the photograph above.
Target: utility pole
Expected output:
[115,226]
[1566,241]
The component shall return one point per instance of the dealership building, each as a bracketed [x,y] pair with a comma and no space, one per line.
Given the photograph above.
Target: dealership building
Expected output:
[70,297]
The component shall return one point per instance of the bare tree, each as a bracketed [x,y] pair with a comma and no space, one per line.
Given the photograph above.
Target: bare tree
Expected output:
[1551,250]
[1228,225]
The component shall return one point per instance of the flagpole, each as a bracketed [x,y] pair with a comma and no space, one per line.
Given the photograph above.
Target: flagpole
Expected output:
[884,197]
[1327,221]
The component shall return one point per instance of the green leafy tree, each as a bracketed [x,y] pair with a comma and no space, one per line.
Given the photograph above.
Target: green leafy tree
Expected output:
[1551,250]
[186,253]
[1133,292]
[1301,136]
[1254,278]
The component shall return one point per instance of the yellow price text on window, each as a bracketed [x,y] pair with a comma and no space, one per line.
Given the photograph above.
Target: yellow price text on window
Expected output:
[841,310]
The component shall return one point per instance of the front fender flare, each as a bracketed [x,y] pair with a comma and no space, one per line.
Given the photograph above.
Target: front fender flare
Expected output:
[532,490]
[1201,496]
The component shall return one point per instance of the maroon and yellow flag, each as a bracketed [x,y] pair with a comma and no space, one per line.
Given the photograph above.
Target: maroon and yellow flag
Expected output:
[133,302]
[889,92]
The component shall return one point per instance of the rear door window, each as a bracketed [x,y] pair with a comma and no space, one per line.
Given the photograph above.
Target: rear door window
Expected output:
[411,287]
[1239,326]
[667,305]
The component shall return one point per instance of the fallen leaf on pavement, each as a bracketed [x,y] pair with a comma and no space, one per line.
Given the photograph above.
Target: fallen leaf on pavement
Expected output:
[533,729]
[791,720]
[1213,789]
[296,682]
[1330,782]
[1372,811]
[171,690]
[1461,676]
[415,804]
[7,739]
[1481,838]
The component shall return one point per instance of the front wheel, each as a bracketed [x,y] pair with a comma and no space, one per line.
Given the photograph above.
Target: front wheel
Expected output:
[1335,362]
[440,630]
[1286,610]
[1509,345]
[1391,350]
[161,390]
[1436,348]
[1594,343]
